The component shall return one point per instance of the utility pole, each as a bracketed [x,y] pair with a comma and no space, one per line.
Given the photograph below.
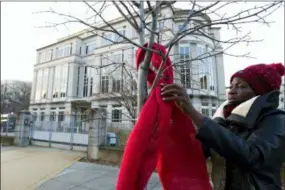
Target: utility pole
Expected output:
[3,96]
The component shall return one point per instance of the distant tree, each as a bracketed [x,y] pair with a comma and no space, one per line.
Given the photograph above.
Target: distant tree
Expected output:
[15,96]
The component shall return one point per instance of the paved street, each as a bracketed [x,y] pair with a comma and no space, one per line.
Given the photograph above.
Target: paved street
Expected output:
[27,168]
[87,176]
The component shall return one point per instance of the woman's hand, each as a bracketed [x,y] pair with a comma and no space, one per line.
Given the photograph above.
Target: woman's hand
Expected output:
[174,92]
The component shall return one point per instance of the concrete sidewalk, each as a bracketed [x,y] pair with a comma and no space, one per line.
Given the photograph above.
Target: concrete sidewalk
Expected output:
[87,176]
[27,168]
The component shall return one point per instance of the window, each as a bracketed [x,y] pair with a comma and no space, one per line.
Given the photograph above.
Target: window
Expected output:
[185,70]
[182,28]
[214,105]
[45,56]
[116,114]
[60,81]
[63,51]
[107,40]
[63,80]
[85,83]
[117,58]
[90,48]
[41,57]
[184,53]
[206,68]
[78,79]
[35,116]
[105,84]
[42,116]
[48,55]
[185,77]
[213,111]
[122,31]
[45,84]
[56,82]
[212,71]
[61,116]
[116,85]
[91,87]
[203,82]
[88,81]
[205,111]
[52,116]
[205,103]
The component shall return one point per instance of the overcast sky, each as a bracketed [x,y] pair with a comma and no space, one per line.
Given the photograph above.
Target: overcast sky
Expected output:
[20,38]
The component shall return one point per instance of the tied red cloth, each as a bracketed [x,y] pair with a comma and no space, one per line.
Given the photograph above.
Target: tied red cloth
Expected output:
[163,138]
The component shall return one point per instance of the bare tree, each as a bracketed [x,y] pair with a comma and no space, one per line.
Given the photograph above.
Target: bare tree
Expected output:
[123,90]
[145,19]
[15,96]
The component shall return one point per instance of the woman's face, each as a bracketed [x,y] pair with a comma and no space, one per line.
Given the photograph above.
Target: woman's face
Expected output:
[239,91]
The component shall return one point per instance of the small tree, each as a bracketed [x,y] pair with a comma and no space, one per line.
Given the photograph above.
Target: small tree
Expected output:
[144,17]
[123,89]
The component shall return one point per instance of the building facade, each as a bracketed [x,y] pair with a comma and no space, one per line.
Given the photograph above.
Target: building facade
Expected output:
[86,71]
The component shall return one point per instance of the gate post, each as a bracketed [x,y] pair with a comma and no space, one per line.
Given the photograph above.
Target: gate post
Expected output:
[94,136]
[22,132]
[32,128]
[72,129]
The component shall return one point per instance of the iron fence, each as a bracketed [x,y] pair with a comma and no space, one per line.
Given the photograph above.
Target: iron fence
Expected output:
[117,132]
[73,129]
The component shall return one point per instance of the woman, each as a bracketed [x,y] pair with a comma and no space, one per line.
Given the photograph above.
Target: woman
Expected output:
[248,130]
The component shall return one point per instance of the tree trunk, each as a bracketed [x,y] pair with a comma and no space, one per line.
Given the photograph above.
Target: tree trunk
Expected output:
[142,89]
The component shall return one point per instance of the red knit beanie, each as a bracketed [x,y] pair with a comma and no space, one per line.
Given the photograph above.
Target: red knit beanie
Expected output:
[263,78]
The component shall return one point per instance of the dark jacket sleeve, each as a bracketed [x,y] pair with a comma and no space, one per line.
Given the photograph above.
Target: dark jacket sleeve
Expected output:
[206,150]
[265,145]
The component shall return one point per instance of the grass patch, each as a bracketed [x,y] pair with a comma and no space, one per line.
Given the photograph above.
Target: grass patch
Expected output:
[7,140]
[101,162]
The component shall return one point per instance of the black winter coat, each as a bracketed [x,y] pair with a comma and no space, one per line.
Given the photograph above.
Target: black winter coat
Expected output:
[252,141]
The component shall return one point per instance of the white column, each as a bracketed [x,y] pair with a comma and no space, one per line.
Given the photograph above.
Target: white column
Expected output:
[220,78]
[50,83]
[34,85]
[81,81]
[72,80]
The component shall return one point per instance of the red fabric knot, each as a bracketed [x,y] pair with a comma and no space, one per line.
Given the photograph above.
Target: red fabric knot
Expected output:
[163,138]
[156,61]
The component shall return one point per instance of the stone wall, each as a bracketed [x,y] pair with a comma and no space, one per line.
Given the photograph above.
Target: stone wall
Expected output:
[111,155]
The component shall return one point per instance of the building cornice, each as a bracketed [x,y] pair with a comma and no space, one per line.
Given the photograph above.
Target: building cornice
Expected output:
[115,21]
